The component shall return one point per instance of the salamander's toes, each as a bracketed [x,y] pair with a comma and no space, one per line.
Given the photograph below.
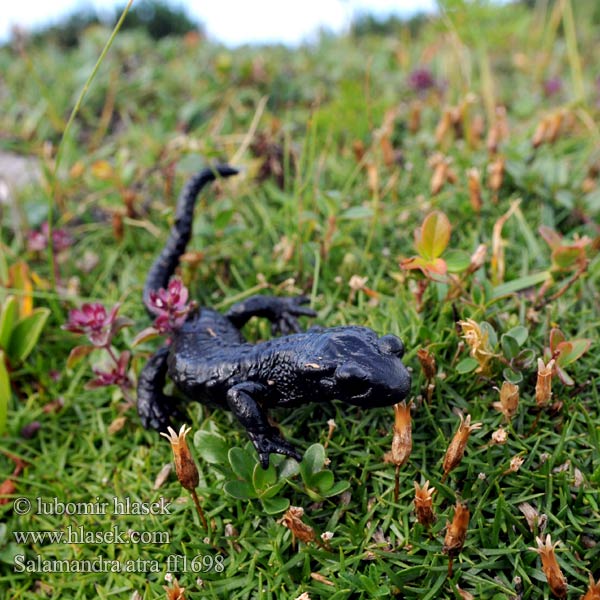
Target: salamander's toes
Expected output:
[266,445]
[289,310]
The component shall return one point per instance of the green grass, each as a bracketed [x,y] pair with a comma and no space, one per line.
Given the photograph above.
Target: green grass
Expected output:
[158,111]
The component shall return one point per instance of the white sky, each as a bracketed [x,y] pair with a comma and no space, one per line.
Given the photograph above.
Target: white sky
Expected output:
[230,21]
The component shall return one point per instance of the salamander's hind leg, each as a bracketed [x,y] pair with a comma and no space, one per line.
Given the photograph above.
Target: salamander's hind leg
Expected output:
[266,439]
[282,312]
[154,407]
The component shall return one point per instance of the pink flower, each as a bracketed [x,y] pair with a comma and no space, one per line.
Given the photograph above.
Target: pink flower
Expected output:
[38,240]
[421,79]
[552,86]
[116,376]
[170,306]
[91,320]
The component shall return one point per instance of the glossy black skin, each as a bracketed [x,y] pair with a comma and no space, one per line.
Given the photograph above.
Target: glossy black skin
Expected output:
[210,361]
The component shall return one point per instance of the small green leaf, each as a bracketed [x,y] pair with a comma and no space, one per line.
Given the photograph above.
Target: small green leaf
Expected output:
[525,358]
[263,478]
[556,337]
[312,462]
[478,295]
[211,447]
[290,468]
[488,329]
[77,354]
[520,334]
[242,463]
[8,317]
[26,333]
[564,376]
[457,261]
[273,506]
[512,376]
[270,491]
[570,351]
[510,346]
[4,392]
[222,219]
[466,365]
[322,481]
[434,235]
[566,257]
[241,490]
[337,488]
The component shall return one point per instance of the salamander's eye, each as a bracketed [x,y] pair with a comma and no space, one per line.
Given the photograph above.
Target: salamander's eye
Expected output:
[390,344]
[351,377]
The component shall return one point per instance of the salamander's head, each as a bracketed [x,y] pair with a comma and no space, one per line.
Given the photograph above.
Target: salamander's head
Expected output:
[362,368]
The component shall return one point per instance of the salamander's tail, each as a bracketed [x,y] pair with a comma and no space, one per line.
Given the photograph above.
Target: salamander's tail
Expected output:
[164,266]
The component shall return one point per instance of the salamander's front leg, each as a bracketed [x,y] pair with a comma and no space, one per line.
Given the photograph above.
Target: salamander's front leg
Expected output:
[282,312]
[154,407]
[266,439]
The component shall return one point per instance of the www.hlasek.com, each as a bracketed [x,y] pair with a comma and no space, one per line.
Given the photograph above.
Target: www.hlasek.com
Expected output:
[174,563]
[80,535]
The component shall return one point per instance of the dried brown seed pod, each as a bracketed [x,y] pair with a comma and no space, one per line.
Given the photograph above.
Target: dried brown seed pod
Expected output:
[427,360]
[509,400]
[456,449]
[543,386]
[424,504]
[556,580]
[456,532]
[402,437]
[593,592]
[292,519]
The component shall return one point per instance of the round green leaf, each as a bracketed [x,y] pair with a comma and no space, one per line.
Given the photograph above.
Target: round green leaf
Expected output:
[77,354]
[569,352]
[337,488]
[520,334]
[512,376]
[466,365]
[242,463]
[312,462]
[271,491]
[276,505]
[222,219]
[525,358]
[289,468]
[457,261]
[211,447]
[510,346]
[434,235]
[322,481]
[241,490]
[491,333]
[263,478]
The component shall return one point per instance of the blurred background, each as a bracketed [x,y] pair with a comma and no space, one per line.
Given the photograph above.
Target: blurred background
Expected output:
[231,22]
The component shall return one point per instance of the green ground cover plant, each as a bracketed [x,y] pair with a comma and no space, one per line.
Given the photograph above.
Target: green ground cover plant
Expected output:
[440,183]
